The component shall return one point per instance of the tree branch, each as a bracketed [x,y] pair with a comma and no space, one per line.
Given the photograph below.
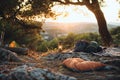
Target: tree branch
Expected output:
[2,14]
[27,26]
[19,7]
[69,2]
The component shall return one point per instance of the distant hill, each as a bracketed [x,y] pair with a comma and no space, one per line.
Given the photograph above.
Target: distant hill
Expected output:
[81,27]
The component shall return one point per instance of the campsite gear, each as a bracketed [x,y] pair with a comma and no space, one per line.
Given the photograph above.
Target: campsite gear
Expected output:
[80,46]
[93,47]
[79,64]
[84,46]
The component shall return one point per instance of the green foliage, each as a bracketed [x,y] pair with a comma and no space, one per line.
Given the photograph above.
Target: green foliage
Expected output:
[8,7]
[39,6]
[48,45]
[88,36]
[43,47]
[53,44]
[17,17]
[67,41]
[115,32]
[14,32]
[23,8]
[71,39]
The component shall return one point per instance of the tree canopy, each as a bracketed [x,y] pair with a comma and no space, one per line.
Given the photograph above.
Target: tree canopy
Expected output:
[18,16]
[9,8]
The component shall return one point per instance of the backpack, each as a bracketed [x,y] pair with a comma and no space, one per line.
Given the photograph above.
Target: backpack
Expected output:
[80,46]
[93,47]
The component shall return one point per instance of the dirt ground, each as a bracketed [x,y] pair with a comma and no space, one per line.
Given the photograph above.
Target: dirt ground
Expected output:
[57,67]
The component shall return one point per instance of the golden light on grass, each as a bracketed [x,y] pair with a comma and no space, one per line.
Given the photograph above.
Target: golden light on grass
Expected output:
[33,55]
[60,47]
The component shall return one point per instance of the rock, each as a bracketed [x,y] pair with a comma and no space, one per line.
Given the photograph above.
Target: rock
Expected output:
[72,78]
[20,68]
[52,56]
[3,77]
[57,77]
[19,73]
[20,51]
[60,56]
[37,75]
[64,56]
[109,52]
[7,55]
[63,77]
[114,62]
[50,76]
[111,77]
[43,71]
[31,73]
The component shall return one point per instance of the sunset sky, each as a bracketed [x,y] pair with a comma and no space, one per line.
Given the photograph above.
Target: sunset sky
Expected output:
[82,14]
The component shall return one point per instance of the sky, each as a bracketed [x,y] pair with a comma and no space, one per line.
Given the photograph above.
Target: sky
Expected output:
[82,14]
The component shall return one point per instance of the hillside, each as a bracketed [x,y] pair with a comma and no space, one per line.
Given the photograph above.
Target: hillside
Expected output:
[81,27]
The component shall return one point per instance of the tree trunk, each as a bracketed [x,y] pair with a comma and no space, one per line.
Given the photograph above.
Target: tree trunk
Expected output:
[103,30]
[2,38]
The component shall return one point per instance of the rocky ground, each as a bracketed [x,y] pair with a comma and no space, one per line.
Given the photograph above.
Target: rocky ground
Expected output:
[51,66]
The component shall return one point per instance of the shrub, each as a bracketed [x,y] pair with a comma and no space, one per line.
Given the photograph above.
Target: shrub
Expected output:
[43,47]
[115,32]
[53,44]
[48,45]
[69,40]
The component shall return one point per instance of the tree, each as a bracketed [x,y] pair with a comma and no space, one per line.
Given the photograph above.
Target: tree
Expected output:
[93,6]
[22,13]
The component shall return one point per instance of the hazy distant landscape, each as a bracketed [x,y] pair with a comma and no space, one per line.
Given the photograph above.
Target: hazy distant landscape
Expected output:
[81,27]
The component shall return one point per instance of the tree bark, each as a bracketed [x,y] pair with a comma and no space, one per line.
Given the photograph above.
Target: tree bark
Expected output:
[103,30]
[2,34]
[2,38]
[102,24]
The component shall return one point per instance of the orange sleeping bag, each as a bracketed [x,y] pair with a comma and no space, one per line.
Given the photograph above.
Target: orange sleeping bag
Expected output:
[82,65]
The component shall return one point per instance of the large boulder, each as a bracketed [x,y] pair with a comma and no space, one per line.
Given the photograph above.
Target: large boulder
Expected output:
[31,73]
[3,77]
[7,55]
